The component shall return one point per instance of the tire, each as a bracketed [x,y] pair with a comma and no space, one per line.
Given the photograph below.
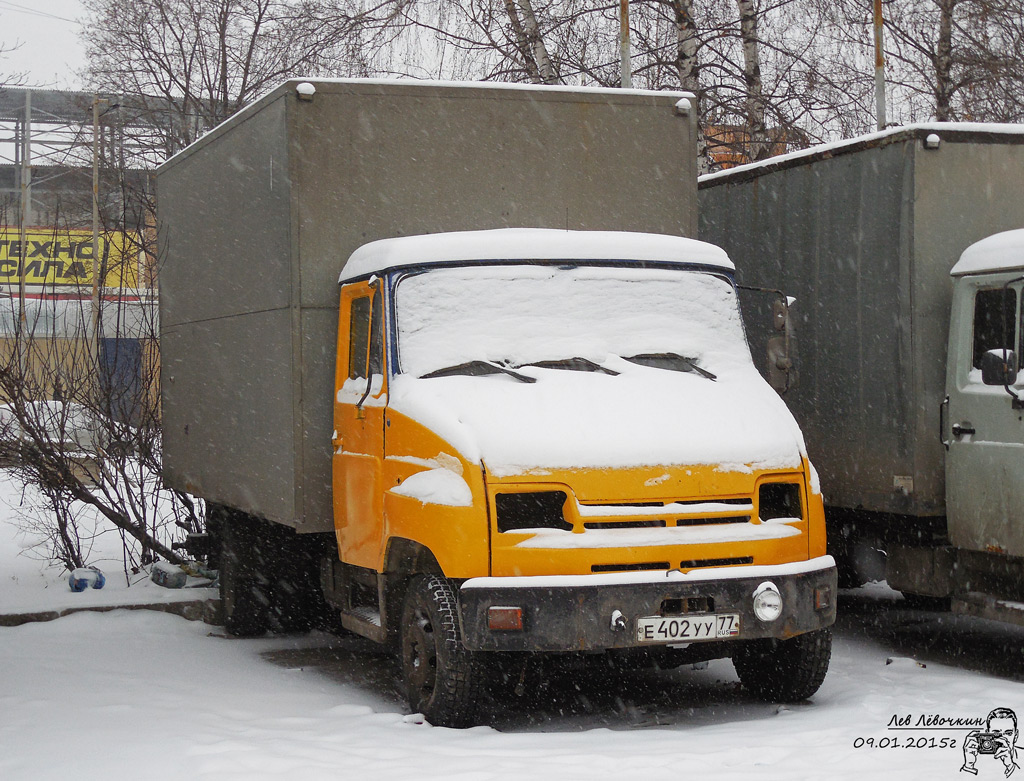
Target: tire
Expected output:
[443,680]
[244,590]
[785,670]
[268,576]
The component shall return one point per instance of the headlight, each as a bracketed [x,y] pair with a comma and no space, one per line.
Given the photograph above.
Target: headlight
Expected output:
[767,602]
[533,510]
[779,500]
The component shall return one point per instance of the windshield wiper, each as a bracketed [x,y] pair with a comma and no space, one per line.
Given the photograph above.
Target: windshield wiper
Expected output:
[672,362]
[572,364]
[477,369]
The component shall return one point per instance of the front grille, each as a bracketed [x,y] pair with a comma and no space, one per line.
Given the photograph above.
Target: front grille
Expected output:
[716,562]
[624,524]
[710,521]
[647,565]
[685,512]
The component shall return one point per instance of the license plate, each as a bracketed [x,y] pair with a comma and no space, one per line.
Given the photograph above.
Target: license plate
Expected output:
[658,629]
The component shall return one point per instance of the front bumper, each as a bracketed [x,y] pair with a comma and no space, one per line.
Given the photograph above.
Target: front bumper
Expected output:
[575,613]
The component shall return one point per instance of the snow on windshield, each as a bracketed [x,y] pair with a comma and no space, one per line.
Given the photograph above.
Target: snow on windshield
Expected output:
[521,314]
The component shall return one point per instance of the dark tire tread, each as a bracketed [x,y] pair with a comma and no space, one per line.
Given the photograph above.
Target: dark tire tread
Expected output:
[243,596]
[459,675]
[785,670]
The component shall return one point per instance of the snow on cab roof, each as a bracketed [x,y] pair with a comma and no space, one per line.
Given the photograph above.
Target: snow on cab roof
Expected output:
[999,252]
[530,244]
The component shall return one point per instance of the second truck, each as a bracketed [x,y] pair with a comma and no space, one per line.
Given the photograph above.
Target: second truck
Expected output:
[905,257]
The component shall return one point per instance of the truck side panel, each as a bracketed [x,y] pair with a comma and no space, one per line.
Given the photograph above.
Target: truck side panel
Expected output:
[287,189]
[864,238]
[225,293]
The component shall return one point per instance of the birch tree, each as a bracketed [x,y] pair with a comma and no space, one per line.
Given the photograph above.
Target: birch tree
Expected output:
[755,110]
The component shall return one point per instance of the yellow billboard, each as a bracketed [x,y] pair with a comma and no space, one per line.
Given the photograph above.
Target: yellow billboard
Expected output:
[66,257]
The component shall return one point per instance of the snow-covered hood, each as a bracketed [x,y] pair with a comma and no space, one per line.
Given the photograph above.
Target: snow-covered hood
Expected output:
[582,420]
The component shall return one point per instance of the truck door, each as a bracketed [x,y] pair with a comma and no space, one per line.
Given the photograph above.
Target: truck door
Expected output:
[983,430]
[360,403]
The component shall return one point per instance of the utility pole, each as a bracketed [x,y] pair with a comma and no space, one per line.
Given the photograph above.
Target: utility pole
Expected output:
[94,341]
[879,68]
[26,210]
[626,82]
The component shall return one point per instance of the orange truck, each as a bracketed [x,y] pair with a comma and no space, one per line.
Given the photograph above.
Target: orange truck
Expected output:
[542,442]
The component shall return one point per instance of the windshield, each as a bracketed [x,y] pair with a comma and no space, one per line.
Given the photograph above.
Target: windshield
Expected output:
[449,319]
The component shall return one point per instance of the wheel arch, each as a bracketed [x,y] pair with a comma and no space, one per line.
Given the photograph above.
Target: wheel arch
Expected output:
[404,560]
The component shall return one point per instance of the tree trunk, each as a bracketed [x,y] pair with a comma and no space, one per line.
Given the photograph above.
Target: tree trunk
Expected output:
[758,148]
[687,65]
[688,70]
[944,61]
[529,41]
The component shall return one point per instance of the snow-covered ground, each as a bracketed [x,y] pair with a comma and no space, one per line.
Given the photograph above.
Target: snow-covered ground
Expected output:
[148,695]
[28,584]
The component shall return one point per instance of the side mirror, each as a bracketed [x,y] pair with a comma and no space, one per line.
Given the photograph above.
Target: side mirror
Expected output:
[782,373]
[999,367]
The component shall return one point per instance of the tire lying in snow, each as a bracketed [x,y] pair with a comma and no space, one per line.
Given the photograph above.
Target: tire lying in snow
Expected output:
[784,670]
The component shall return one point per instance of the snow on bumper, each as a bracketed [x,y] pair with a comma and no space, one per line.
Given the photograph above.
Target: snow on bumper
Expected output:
[576,613]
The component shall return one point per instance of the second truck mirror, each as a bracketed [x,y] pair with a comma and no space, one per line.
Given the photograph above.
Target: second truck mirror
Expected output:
[999,367]
[782,348]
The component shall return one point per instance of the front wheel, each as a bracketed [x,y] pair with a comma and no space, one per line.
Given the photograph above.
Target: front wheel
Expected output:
[443,680]
[784,670]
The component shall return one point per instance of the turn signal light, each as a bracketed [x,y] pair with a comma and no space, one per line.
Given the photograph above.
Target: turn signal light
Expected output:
[505,619]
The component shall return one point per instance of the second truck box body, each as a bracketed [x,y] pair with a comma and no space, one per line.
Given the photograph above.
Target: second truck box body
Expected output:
[863,235]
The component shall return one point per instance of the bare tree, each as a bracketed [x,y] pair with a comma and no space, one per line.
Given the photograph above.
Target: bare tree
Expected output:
[946,59]
[529,41]
[199,61]
[755,109]
[79,409]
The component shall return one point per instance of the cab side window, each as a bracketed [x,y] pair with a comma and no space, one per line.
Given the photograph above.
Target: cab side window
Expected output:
[358,336]
[362,363]
[377,335]
[995,316]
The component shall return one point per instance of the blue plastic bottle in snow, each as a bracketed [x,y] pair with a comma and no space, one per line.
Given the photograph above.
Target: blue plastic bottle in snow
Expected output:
[81,578]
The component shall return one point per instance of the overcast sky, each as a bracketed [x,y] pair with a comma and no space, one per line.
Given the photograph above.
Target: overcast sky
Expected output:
[50,49]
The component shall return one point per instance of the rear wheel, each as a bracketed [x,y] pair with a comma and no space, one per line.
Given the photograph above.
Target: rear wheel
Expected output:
[443,680]
[244,589]
[784,670]
[268,575]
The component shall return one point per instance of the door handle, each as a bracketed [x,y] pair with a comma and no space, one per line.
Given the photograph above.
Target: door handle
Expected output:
[960,429]
[943,409]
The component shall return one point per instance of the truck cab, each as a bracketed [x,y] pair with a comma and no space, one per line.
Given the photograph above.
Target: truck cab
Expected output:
[979,565]
[556,442]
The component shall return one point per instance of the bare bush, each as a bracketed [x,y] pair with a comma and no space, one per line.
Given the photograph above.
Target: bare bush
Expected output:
[79,399]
